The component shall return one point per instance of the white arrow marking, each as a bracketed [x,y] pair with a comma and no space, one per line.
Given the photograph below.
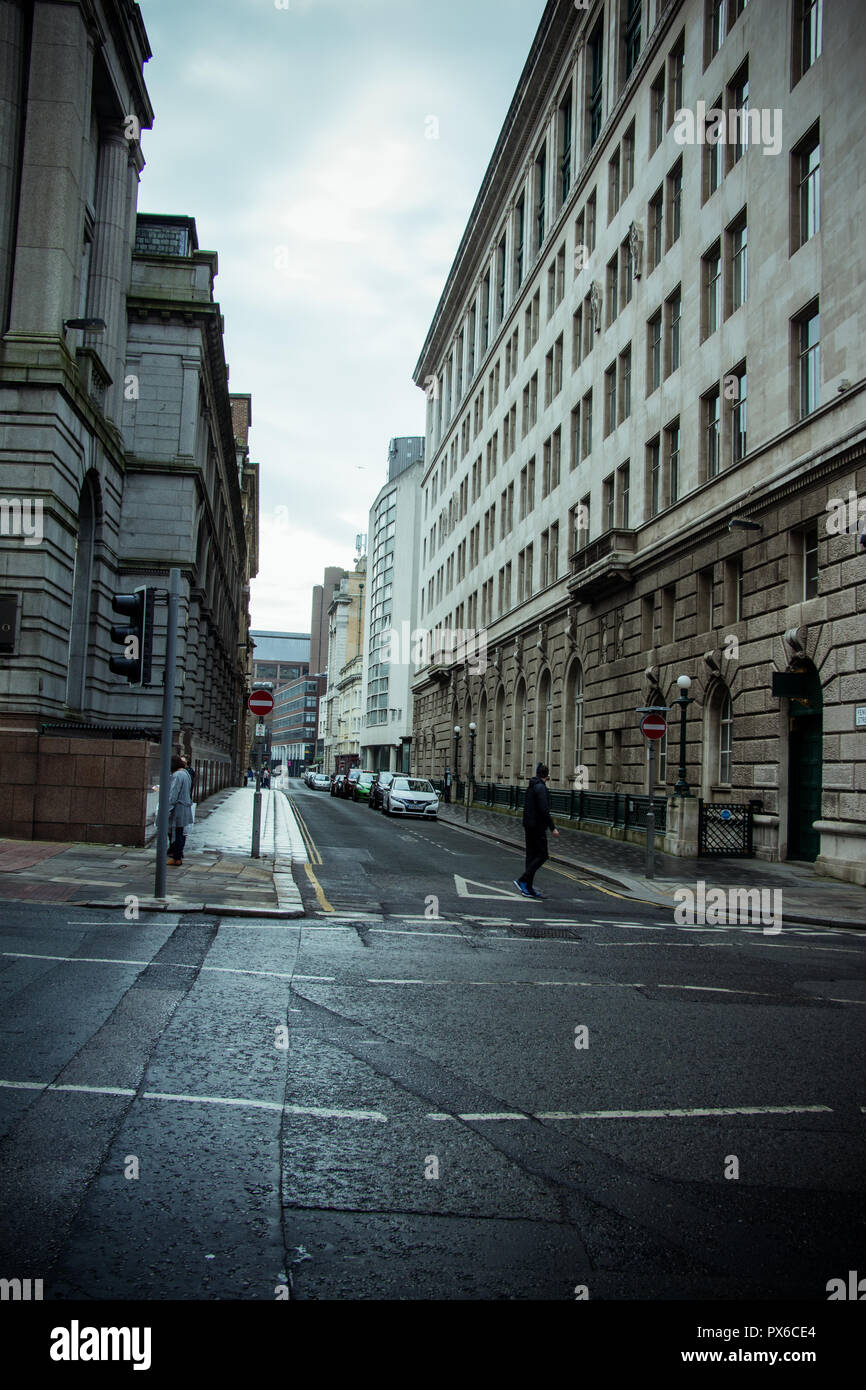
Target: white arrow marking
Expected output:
[461,884]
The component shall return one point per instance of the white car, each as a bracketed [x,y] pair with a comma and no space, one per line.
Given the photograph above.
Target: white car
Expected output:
[321,782]
[411,796]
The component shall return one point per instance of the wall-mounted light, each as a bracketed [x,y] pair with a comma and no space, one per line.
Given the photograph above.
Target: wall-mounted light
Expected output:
[94,325]
[739,523]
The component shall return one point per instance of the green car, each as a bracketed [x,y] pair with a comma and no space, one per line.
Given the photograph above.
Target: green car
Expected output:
[361,789]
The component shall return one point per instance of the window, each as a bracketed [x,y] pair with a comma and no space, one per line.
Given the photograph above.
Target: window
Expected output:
[540,197]
[624,385]
[714,136]
[560,276]
[531,323]
[594,69]
[738,262]
[647,620]
[631,37]
[590,222]
[710,404]
[519,233]
[654,481]
[575,438]
[622,485]
[810,563]
[712,289]
[675,199]
[807,188]
[738,101]
[587,424]
[726,740]
[673,318]
[669,598]
[654,353]
[500,279]
[576,339]
[628,161]
[704,600]
[657,111]
[565,124]
[672,462]
[613,186]
[808,34]
[733,589]
[736,388]
[608,503]
[612,281]
[715,29]
[610,399]
[626,269]
[485,313]
[578,524]
[809,361]
[655,221]
[676,67]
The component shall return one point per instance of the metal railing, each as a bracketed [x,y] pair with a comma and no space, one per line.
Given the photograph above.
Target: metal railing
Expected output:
[624,809]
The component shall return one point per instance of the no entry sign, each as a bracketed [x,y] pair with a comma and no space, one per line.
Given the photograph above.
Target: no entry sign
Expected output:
[653,726]
[261,702]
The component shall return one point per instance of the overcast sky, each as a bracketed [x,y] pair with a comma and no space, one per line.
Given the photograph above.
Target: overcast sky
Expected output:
[298,138]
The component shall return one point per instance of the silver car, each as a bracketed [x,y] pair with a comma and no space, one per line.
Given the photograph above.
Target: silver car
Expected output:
[411,796]
[321,782]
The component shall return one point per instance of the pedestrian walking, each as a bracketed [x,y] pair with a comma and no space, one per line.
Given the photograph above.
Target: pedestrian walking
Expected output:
[179,809]
[266,778]
[537,821]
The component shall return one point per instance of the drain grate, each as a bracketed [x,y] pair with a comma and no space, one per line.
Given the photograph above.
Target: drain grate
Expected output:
[546,933]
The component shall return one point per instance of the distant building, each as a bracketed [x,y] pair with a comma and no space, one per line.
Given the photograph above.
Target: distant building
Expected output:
[279,657]
[394,569]
[295,722]
[322,595]
[343,694]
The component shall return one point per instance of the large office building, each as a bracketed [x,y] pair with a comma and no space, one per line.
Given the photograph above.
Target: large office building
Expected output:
[394,567]
[646,451]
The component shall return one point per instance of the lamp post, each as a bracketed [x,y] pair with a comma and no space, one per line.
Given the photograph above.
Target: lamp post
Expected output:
[471,776]
[682,786]
[456,758]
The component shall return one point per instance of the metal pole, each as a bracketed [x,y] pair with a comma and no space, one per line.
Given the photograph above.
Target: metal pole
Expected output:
[257,811]
[168,683]
[651,815]
[471,773]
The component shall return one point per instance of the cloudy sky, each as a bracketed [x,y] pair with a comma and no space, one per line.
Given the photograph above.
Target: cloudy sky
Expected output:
[297,133]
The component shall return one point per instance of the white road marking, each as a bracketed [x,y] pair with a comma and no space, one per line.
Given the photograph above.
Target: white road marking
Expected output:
[692,1111]
[491,891]
[173,965]
[324,1112]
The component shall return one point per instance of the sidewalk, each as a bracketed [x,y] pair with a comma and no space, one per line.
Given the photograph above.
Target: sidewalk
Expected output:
[217,875]
[808,898]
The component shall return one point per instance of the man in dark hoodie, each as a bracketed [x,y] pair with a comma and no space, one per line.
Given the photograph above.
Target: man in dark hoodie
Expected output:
[537,821]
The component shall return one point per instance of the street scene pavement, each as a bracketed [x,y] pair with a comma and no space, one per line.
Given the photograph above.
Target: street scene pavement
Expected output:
[427,1086]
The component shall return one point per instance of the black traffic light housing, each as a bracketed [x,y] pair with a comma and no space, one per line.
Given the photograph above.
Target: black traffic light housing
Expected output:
[136,637]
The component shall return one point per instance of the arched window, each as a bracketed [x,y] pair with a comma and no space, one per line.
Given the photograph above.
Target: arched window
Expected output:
[726,740]
[82,588]
[499,733]
[545,718]
[481,740]
[572,750]
[718,740]
[518,737]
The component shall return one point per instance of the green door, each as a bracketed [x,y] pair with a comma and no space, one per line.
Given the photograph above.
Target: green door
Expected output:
[805,758]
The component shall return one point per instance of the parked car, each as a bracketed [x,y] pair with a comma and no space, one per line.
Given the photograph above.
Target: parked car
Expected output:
[361,789]
[380,782]
[321,782]
[411,796]
[337,785]
[351,778]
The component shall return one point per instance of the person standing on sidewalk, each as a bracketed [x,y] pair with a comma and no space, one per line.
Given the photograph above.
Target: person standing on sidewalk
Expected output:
[179,809]
[537,820]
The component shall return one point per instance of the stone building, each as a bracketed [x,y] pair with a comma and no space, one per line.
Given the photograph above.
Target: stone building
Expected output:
[394,545]
[341,703]
[645,383]
[118,438]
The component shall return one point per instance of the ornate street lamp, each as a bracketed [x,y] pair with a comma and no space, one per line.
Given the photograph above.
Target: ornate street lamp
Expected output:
[456,758]
[471,776]
[682,786]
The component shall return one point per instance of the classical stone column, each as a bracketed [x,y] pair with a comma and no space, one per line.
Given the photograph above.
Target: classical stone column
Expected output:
[11,116]
[49,241]
[110,260]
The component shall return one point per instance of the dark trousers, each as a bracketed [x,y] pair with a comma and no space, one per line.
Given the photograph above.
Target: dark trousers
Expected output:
[536,853]
[175,846]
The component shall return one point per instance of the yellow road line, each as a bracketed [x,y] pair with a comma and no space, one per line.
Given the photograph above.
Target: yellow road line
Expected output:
[310,843]
[317,887]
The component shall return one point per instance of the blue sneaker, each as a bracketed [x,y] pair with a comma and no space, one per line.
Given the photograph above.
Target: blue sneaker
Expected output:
[518,883]
[534,893]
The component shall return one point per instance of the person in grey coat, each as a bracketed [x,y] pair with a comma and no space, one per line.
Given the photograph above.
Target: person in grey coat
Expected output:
[179,809]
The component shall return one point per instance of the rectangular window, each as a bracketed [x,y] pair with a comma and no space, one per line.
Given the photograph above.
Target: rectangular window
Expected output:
[647,615]
[576,339]
[500,280]
[608,502]
[557,366]
[714,135]
[669,599]
[519,233]
[657,111]
[715,29]
[540,198]
[738,262]
[595,74]
[587,424]
[733,589]
[704,601]
[807,188]
[575,437]
[485,313]
[565,125]
[808,34]
[738,101]
[810,563]
[675,199]
[655,222]
[711,408]
[590,222]
[654,353]
[711,275]
[809,361]
[610,399]
[624,385]
[654,479]
[673,317]
[628,161]
[626,271]
[612,284]
[556,459]
[623,490]
[613,186]
[631,37]
[676,68]
[672,463]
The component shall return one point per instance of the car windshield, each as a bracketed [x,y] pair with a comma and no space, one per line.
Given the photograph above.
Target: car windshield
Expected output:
[365,779]
[412,784]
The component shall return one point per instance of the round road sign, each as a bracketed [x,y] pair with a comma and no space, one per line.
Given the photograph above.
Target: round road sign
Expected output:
[261,702]
[653,726]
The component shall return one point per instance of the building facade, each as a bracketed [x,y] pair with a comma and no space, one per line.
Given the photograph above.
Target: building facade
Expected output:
[646,388]
[394,565]
[117,441]
[295,723]
[322,595]
[342,699]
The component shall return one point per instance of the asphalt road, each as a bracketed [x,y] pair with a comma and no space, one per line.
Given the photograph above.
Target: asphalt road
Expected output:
[430,1087]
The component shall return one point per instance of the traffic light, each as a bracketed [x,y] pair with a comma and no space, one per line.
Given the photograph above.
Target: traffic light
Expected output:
[136,637]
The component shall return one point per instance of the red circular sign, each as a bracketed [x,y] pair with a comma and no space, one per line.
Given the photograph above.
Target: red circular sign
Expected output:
[653,726]
[261,702]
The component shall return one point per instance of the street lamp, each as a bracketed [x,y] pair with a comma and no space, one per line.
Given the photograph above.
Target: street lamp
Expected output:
[456,758]
[471,769]
[682,786]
